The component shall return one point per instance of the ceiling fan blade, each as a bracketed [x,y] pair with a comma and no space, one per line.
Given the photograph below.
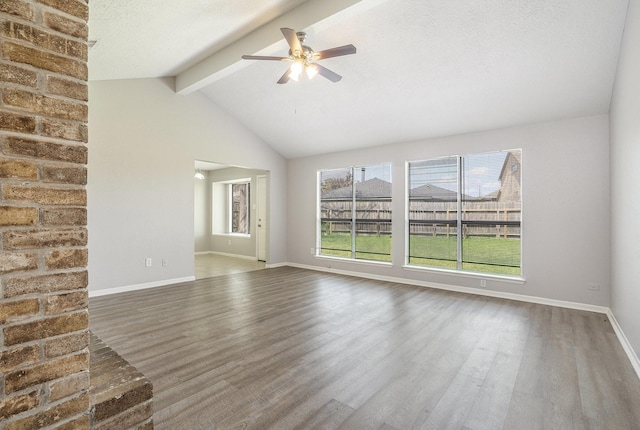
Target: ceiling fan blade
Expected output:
[335,52]
[262,57]
[285,78]
[292,39]
[332,76]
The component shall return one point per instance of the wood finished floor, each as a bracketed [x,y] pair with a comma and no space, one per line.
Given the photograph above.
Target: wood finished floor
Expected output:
[288,348]
[210,265]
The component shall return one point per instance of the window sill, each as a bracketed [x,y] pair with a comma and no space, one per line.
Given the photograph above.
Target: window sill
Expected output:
[352,260]
[475,275]
[246,236]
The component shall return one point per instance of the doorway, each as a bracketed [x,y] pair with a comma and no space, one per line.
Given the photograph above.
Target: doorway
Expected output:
[216,231]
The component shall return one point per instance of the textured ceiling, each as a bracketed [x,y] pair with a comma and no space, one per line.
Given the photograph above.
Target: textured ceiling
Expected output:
[151,38]
[423,68]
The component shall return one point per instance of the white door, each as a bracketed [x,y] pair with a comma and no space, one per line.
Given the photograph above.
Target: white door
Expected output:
[262,217]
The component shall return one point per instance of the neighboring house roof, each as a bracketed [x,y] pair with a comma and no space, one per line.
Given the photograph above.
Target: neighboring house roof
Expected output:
[379,189]
[491,196]
[370,189]
[432,192]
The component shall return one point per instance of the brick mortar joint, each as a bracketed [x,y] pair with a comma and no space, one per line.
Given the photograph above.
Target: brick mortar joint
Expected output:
[27,44]
[40,316]
[40,346]
[40,92]
[40,163]
[39,71]
[43,212]
[42,359]
[32,184]
[21,204]
[41,167]
[38,115]
[44,252]
[61,164]
[40,139]
[45,317]
[38,273]
[56,403]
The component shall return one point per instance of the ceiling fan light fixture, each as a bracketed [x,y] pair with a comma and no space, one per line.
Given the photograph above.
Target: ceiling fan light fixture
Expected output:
[311,71]
[296,70]
[304,58]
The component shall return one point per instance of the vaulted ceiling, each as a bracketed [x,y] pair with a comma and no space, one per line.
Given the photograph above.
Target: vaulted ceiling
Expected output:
[423,68]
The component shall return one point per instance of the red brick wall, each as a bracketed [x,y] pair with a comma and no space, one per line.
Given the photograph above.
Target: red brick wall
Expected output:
[44,358]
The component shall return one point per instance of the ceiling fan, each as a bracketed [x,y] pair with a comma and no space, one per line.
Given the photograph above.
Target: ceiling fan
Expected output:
[304,58]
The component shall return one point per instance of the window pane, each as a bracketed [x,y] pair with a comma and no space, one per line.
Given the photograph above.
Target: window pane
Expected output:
[336,203]
[487,220]
[433,200]
[373,212]
[240,208]
[491,212]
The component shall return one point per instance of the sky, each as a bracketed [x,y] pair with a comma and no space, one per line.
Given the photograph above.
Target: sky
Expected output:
[481,172]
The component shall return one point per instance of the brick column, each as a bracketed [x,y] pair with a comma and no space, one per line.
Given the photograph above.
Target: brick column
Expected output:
[44,358]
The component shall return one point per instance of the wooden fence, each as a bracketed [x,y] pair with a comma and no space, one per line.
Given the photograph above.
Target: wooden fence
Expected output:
[426,218]
[373,217]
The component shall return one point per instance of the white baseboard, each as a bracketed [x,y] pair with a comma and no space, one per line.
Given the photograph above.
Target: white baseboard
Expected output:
[633,357]
[273,266]
[226,254]
[456,288]
[107,291]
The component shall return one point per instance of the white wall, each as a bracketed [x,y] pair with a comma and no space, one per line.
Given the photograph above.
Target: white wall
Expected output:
[625,183]
[565,202]
[144,139]
[201,213]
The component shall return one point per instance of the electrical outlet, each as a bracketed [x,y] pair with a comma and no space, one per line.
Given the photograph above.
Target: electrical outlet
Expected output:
[483,283]
[164,262]
[312,251]
[148,262]
[593,287]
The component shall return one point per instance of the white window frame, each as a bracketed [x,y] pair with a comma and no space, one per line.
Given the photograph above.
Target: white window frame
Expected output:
[222,217]
[458,270]
[354,170]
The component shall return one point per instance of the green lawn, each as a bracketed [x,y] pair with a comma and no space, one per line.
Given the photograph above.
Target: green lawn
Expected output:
[376,248]
[481,254]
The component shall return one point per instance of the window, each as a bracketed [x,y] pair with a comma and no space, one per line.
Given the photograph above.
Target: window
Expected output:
[355,212]
[465,212]
[230,210]
[239,208]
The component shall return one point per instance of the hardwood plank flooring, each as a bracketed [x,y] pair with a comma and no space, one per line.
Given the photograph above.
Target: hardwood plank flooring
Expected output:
[210,265]
[288,348]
